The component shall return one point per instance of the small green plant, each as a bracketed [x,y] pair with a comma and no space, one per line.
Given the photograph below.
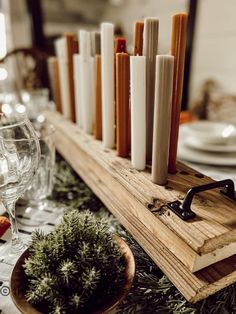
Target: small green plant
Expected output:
[75,268]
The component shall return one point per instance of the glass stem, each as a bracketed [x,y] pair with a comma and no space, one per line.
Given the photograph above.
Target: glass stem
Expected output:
[17,244]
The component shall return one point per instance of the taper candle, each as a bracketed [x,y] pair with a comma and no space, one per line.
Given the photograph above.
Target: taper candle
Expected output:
[95,43]
[122,104]
[120,46]
[53,71]
[138,111]
[138,38]
[98,99]
[71,49]
[61,52]
[93,88]
[178,47]
[162,118]
[108,105]
[78,92]
[65,91]
[96,48]
[86,81]
[150,45]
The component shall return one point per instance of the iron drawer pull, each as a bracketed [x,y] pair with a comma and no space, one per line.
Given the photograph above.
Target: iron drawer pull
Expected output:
[183,210]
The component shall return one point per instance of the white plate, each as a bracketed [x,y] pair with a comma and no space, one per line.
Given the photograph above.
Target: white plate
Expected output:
[211,132]
[203,157]
[192,142]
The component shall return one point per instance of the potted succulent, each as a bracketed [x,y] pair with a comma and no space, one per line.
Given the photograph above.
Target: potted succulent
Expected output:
[78,268]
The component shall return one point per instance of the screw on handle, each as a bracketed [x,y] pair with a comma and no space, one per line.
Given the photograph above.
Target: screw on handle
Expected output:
[184,210]
[228,184]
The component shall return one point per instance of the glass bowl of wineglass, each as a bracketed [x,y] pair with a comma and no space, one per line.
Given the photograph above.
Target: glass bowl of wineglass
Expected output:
[19,158]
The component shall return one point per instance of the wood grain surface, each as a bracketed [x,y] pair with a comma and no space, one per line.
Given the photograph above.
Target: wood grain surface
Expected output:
[174,245]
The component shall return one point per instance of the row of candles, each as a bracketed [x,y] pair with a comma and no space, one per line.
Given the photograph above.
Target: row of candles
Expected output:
[131,102]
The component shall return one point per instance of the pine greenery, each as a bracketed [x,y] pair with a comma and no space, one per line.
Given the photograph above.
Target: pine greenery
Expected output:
[152,292]
[74,268]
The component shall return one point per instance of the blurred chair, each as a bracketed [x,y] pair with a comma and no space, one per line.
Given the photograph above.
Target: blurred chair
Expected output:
[29,66]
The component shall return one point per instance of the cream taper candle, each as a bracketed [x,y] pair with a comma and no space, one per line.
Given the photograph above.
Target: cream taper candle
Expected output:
[78,92]
[162,118]
[150,45]
[108,104]
[138,111]
[86,80]
[98,100]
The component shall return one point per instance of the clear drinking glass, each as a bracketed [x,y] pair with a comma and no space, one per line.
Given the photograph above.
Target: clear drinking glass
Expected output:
[34,208]
[19,157]
[36,101]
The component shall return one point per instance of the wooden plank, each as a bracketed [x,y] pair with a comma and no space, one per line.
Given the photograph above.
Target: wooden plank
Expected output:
[199,243]
[107,179]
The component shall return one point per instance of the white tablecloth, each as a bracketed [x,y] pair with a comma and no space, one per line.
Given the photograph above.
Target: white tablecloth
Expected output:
[6,304]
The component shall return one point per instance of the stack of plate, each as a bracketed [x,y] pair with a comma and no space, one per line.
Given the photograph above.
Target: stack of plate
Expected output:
[207,142]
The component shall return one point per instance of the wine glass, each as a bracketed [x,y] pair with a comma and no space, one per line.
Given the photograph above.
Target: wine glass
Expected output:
[35,208]
[19,158]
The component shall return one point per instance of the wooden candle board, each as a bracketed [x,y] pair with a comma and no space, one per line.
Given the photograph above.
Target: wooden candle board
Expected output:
[197,255]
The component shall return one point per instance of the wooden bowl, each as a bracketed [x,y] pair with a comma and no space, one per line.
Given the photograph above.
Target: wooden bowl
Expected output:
[18,282]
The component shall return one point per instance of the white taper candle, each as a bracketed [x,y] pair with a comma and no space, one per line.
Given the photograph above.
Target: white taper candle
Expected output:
[138,111]
[78,93]
[108,104]
[86,82]
[162,118]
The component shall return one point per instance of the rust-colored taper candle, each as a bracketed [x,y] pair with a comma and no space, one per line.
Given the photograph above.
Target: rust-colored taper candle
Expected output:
[119,46]
[178,47]
[122,103]
[71,49]
[138,38]
[53,71]
[98,86]
[98,99]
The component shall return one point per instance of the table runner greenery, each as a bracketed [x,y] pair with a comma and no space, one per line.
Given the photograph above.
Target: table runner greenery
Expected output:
[152,292]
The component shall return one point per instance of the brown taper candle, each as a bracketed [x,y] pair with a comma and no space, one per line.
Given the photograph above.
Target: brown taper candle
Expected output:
[122,103]
[71,49]
[138,38]
[178,47]
[95,43]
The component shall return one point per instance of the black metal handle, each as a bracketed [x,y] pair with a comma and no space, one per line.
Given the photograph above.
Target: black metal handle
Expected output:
[184,210]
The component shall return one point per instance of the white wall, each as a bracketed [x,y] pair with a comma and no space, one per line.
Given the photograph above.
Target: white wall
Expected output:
[17,24]
[130,11]
[214,54]
[120,12]
[20,24]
